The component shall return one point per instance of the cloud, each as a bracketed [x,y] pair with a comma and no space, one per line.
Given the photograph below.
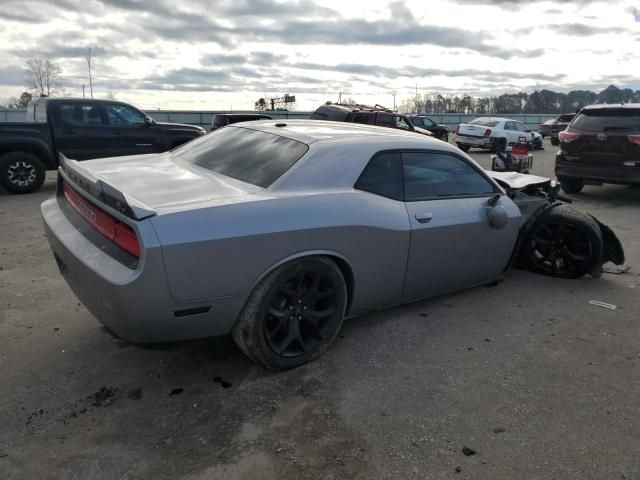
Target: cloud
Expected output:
[581,29]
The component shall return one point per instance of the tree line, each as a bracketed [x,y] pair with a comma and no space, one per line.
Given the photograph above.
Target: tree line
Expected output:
[540,101]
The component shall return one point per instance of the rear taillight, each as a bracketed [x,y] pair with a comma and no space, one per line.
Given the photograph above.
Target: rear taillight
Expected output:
[567,137]
[119,233]
[634,138]
[487,132]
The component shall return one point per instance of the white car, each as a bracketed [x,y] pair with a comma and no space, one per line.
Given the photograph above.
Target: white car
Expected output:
[494,134]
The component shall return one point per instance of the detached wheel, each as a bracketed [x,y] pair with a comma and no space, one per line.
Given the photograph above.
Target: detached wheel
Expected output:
[571,185]
[294,314]
[21,172]
[464,148]
[564,243]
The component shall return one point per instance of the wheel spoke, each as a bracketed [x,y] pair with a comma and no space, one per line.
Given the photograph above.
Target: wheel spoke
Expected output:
[316,315]
[277,313]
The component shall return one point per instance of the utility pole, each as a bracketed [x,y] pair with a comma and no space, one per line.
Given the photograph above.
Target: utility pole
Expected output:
[394,100]
[83,91]
[90,80]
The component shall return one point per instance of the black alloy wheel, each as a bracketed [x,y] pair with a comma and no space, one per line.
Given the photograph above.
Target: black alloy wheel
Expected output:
[294,314]
[564,243]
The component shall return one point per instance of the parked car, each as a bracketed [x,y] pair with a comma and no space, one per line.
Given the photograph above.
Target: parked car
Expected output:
[601,145]
[439,131]
[222,119]
[278,231]
[558,125]
[377,115]
[545,128]
[492,133]
[82,129]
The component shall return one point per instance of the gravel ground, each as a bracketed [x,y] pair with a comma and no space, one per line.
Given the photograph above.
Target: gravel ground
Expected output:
[529,375]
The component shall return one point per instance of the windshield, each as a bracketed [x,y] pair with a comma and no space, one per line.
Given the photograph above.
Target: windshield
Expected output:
[485,122]
[608,119]
[251,156]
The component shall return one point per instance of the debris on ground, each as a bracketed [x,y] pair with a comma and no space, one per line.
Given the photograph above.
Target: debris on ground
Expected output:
[499,430]
[616,270]
[598,303]
[458,470]
[468,451]
[222,382]
[176,391]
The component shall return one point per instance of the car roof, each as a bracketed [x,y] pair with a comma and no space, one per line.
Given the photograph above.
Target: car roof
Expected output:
[311,131]
[630,106]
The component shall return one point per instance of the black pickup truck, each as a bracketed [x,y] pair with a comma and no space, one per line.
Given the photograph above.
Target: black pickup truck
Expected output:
[80,129]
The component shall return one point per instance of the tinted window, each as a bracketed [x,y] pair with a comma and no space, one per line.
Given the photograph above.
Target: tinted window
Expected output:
[566,118]
[431,175]
[254,157]
[385,120]
[422,122]
[608,120]
[383,176]
[484,122]
[123,115]
[361,118]
[80,114]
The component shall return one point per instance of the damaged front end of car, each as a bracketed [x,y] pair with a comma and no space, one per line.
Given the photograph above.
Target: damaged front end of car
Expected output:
[556,239]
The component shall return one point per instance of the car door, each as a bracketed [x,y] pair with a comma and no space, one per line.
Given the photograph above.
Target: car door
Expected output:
[129,131]
[453,245]
[79,130]
[511,132]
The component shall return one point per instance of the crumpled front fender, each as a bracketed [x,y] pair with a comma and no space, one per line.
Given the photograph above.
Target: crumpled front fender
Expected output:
[612,250]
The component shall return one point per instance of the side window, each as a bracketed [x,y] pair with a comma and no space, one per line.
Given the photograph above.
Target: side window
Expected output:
[401,123]
[361,118]
[123,115]
[383,176]
[509,126]
[427,122]
[429,175]
[385,120]
[80,114]
[521,126]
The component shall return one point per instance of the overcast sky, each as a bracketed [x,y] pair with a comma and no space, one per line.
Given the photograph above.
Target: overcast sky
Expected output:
[183,54]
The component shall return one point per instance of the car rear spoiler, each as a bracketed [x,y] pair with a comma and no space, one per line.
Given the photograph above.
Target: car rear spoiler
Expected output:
[72,171]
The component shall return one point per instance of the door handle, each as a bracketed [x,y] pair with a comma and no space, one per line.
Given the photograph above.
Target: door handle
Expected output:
[424,217]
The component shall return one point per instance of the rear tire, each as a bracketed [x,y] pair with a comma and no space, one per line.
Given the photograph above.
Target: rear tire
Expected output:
[464,148]
[564,243]
[571,185]
[294,313]
[21,172]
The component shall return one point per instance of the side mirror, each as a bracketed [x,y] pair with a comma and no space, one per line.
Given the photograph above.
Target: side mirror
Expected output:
[148,121]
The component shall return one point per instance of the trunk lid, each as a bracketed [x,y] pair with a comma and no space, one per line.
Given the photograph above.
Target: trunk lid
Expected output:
[152,182]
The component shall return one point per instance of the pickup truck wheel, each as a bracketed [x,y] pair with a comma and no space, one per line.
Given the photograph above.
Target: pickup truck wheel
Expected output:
[294,313]
[563,243]
[21,172]
[571,185]
[463,147]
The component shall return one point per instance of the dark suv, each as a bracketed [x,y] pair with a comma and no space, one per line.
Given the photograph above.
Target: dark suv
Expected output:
[601,145]
[376,115]
[438,130]
[558,125]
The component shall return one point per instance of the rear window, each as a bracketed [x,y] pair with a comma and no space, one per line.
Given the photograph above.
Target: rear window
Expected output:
[484,122]
[251,156]
[566,118]
[608,119]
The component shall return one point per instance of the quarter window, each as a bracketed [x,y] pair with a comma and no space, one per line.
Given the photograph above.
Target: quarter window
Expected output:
[429,175]
[383,176]
[385,120]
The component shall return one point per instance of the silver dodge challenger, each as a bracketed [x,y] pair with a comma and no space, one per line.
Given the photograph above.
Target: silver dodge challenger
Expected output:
[275,232]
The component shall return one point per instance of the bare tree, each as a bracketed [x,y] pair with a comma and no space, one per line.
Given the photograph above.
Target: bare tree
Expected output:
[111,95]
[43,76]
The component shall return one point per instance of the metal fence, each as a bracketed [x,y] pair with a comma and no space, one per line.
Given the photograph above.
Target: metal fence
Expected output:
[203,118]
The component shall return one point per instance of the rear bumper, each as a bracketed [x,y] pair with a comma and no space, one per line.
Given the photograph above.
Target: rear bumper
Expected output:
[478,142]
[620,175]
[136,304]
